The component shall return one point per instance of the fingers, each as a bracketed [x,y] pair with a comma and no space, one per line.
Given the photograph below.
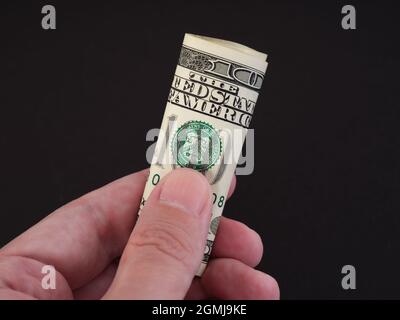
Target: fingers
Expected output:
[232,279]
[196,291]
[237,241]
[167,244]
[96,288]
[21,278]
[83,237]
[234,240]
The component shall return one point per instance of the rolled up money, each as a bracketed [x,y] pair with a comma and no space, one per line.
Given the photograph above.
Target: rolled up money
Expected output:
[209,109]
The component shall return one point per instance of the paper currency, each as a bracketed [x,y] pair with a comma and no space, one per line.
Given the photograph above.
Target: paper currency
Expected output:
[208,112]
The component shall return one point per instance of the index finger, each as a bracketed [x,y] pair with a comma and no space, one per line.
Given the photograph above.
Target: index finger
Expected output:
[83,237]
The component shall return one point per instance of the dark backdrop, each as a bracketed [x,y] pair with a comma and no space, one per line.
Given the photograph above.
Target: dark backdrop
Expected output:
[76,104]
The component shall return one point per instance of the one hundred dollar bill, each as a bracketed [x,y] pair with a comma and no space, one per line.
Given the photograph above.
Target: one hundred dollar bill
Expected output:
[209,108]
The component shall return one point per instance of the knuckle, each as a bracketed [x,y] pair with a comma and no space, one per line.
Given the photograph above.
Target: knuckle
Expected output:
[167,239]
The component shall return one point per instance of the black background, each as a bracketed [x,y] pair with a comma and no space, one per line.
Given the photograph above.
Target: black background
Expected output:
[76,103]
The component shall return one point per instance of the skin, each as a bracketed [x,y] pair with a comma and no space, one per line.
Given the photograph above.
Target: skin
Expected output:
[101,250]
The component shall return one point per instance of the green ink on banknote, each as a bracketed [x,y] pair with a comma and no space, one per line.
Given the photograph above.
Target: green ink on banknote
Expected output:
[196,145]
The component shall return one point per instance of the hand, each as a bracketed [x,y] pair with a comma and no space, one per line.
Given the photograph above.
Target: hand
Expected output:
[98,251]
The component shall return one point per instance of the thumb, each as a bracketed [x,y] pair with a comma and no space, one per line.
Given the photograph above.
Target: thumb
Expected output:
[167,244]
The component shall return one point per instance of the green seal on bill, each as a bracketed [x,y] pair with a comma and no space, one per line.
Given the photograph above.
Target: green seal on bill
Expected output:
[196,145]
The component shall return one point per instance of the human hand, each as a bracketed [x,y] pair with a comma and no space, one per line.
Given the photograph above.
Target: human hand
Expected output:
[159,255]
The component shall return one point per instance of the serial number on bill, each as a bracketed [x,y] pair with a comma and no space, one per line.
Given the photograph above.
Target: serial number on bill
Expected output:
[201,309]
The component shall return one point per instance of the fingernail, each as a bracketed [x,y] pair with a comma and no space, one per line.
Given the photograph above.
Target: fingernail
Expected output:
[186,189]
